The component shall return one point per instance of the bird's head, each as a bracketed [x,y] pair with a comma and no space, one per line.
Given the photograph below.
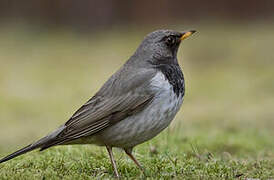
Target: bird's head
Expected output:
[162,44]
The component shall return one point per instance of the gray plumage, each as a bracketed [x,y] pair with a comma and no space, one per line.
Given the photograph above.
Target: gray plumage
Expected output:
[133,106]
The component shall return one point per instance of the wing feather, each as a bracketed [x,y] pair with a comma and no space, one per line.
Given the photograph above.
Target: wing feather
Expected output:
[110,105]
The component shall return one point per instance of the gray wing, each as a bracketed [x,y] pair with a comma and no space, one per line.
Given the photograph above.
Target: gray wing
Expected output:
[127,92]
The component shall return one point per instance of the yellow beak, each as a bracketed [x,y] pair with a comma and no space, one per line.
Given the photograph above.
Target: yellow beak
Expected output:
[187,34]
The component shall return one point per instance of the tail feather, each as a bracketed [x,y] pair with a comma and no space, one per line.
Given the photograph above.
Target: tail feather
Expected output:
[44,143]
[19,152]
[50,144]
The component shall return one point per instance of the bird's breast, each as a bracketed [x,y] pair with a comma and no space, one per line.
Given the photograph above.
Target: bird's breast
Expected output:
[148,123]
[173,74]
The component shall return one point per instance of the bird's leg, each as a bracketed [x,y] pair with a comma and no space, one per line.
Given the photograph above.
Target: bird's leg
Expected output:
[109,149]
[129,153]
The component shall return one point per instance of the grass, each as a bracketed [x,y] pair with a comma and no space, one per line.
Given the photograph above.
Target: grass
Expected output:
[223,131]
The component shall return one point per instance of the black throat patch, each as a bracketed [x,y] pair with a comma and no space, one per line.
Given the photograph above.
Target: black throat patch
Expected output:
[173,74]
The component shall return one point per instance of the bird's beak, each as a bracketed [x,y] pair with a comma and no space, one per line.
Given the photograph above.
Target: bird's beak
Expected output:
[187,34]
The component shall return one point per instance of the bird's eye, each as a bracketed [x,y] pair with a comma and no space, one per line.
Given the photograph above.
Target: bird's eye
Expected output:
[170,40]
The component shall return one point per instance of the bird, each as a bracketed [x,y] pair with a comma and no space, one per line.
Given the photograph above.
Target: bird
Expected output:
[134,105]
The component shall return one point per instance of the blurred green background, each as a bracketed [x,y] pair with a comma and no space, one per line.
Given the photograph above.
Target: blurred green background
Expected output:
[55,55]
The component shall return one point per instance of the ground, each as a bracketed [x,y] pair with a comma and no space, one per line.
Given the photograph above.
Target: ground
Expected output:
[224,129]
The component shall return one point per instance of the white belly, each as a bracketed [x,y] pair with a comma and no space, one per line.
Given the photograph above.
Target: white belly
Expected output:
[146,124]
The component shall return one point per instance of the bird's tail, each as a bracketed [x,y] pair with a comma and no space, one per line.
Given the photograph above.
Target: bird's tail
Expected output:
[19,152]
[44,142]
